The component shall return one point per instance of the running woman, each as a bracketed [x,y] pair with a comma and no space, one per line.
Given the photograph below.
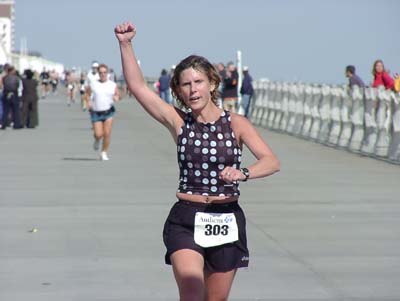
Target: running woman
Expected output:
[205,233]
[102,94]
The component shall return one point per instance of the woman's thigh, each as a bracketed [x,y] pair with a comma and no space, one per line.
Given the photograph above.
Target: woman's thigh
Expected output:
[107,126]
[188,267]
[98,128]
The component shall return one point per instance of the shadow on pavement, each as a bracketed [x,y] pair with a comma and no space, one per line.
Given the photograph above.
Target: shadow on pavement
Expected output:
[79,159]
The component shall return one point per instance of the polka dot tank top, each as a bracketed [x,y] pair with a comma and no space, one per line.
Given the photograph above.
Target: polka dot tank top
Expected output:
[204,150]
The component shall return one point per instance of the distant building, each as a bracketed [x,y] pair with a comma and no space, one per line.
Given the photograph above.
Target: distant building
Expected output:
[7,24]
[23,59]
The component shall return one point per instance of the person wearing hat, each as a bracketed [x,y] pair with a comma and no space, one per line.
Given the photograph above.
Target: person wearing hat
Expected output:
[93,75]
[246,90]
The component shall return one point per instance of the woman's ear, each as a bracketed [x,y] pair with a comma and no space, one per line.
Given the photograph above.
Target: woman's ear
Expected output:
[212,87]
[178,91]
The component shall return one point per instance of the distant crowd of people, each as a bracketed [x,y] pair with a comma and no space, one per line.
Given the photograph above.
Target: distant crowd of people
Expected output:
[77,82]
[227,92]
[381,77]
[20,92]
[19,98]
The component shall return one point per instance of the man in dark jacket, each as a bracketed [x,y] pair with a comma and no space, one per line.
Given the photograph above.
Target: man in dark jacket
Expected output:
[246,90]
[354,79]
[164,86]
[11,99]
[230,93]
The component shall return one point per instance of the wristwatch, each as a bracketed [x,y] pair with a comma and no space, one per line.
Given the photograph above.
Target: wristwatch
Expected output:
[246,173]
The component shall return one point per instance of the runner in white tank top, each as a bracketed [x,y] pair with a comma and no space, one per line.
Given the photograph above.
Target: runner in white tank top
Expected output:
[102,94]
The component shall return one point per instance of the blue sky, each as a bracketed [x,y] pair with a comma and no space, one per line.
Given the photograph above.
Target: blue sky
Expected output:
[307,40]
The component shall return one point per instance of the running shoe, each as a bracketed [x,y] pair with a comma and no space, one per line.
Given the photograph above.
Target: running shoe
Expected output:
[104,156]
[96,144]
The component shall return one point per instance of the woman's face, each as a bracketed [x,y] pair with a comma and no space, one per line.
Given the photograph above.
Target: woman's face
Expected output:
[103,74]
[378,67]
[194,89]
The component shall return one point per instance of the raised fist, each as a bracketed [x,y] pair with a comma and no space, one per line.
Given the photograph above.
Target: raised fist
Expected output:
[125,32]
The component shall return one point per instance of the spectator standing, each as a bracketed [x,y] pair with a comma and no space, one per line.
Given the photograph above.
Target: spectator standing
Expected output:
[112,76]
[164,86]
[3,74]
[246,90]
[122,86]
[30,116]
[230,93]
[354,79]
[381,76]
[10,98]
[221,72]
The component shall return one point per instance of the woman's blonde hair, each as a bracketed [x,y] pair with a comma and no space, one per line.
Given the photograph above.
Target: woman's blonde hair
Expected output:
[200,64]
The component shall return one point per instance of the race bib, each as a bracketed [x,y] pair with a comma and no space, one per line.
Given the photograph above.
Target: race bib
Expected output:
[215,229]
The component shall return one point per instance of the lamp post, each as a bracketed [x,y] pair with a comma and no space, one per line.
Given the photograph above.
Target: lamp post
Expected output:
[240,73]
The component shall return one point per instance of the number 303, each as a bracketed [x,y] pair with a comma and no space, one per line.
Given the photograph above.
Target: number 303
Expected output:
[216,230]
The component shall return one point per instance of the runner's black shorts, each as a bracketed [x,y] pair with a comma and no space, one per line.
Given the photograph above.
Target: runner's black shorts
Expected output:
[178,234]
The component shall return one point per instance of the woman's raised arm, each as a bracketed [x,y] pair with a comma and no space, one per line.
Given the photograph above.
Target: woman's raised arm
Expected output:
[151,102]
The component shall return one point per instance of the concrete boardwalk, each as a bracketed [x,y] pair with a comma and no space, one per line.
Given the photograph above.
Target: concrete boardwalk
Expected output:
[327,227]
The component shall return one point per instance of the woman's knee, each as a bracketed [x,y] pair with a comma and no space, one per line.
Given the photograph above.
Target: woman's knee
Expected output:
[191,289]
[107,134]
[188,268]
[98,135]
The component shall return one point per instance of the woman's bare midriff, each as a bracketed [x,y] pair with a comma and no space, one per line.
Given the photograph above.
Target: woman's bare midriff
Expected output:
[206,199]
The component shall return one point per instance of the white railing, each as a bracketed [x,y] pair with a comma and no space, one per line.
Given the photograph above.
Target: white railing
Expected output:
[22,62]
[363,121]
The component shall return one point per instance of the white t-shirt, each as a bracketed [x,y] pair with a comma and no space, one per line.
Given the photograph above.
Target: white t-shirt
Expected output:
[91,78]
[102,95]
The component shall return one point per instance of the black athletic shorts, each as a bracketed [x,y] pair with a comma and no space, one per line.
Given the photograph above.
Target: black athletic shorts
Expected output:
[178,234]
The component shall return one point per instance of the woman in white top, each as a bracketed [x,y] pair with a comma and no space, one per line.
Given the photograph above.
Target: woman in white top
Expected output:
[101,95]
